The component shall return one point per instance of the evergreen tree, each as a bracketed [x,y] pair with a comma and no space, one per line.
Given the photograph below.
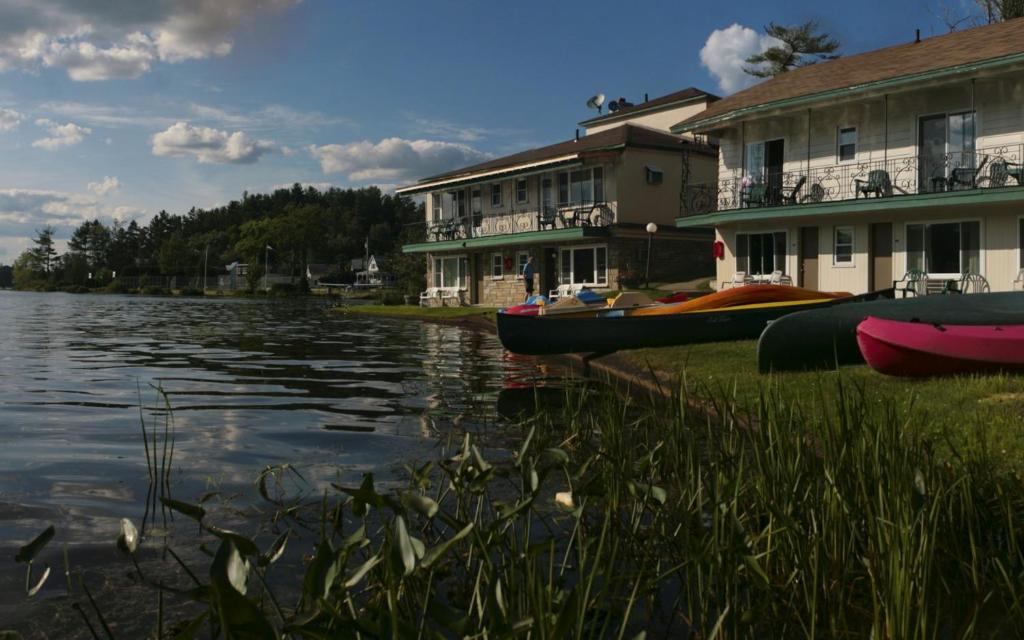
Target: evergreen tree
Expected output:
[44,251]
[800,46]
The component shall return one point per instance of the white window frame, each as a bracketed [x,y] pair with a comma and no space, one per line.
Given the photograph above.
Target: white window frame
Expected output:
[496,191]
[947,276]
[525,191]
[570,278]
[497,266]
[462,271]
[852,244]
[839,144]
[435,201]
[521,258]
[785,260]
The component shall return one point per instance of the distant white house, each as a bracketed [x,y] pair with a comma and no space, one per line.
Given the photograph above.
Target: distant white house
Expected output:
[372,276]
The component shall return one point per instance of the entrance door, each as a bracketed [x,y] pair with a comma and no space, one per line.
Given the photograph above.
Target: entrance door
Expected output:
[880,251]
[809,258]
[773,162]
[476,277]
[931,153]
[549,276]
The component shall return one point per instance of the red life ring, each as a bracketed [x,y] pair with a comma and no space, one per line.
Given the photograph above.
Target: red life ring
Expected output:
[508,263]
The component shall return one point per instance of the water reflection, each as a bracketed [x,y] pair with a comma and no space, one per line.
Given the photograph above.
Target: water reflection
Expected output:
[251,383]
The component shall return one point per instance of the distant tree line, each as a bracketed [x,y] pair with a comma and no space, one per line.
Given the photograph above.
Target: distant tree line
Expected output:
[302,225]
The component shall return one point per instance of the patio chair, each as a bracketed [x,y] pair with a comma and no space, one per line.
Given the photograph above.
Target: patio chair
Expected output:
[914,282]
[780,278]
[754,195]
[966,177]
[739,279]
[451,297]
[1018,282]
[547,217]
[815,194]
[878,183]
[973,283]
[564,290]
[428,297]
[1000,171]
[788,195]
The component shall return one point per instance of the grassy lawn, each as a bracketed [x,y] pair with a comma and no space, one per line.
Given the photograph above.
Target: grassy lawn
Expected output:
[977,411]
[422,313]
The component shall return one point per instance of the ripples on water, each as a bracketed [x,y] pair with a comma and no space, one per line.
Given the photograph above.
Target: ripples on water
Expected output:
[251,383]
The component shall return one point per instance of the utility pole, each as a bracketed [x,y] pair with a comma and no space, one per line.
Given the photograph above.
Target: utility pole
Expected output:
[266,266]
[206,258]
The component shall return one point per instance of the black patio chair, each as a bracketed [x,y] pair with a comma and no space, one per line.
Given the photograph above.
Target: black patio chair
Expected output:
[815,194]
[878,183]
[788,195]
[754,195]
[546,217]
[966,177]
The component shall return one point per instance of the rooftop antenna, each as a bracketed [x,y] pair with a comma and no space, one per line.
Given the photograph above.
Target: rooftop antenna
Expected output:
[595,102]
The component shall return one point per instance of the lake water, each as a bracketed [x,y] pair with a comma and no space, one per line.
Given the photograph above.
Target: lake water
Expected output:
[251,383]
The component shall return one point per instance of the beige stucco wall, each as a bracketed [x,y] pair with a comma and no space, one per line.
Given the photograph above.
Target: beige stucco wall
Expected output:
[662,119]
[640,202]
[999,251]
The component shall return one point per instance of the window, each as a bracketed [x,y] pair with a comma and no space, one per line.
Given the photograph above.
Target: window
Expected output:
[495,195]
[944,249]
[475,204]
[521,191]
[584,265]
[521,258]
[847,144]
[497,266]
[961,139]
[435,200]
[583,186]
[451,272]
[755,162]
[654,175]
[761,253]
[842,251]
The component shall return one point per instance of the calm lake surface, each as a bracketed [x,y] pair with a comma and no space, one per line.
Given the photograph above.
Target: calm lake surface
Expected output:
[251,383]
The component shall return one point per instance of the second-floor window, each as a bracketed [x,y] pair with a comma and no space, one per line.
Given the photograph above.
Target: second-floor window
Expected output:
[521,191]
[847,144]
[436,200]
[495,195]
[581,186]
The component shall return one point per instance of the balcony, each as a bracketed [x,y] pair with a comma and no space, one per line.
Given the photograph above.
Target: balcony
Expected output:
[583,215]
[894,177]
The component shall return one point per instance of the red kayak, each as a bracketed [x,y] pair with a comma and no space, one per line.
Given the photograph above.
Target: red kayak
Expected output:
[922,349]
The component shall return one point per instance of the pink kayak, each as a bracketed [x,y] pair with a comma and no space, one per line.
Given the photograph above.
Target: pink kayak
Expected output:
[922,349]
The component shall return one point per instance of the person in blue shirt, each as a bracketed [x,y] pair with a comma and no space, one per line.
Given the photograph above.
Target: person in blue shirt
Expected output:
[528,271]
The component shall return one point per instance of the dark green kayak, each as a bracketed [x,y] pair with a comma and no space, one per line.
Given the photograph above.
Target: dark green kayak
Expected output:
[826,338]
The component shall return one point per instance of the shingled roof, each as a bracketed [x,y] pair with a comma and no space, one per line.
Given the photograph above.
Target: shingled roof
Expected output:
[627,135]
[958,51]
[685,95]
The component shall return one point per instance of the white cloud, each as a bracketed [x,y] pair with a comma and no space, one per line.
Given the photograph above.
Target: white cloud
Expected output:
[393,159]
[444,129]
[61,135]
[94,40]
[210,146]
[725,52]
[105,187]
[105,115]
[9,120]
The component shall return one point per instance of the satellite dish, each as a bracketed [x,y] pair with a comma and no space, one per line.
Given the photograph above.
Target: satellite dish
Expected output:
[595,102]
[613,106]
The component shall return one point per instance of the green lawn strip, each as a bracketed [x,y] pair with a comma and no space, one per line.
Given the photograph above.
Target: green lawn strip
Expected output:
[421,313]
[976,412]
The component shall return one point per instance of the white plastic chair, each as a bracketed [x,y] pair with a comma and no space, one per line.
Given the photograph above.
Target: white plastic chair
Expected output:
[739,279]
[430,295]
[1018,282]
[780,278]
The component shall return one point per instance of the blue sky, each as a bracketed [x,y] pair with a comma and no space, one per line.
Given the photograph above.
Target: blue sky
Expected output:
[121,108]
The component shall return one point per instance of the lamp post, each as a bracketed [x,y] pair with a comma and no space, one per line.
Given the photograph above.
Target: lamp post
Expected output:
[651,230]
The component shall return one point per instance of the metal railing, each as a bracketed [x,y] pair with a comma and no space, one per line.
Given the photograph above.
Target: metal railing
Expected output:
[577,214]
[893,177]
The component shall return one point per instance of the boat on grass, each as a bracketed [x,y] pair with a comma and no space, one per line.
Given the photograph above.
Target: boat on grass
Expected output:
[827,338]
[921,349]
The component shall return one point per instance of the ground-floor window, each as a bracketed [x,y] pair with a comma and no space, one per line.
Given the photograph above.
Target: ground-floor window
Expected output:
[451,272]
[584,265]
[521,258]
[761,253]
[497,265]
[842,252]
[945,248]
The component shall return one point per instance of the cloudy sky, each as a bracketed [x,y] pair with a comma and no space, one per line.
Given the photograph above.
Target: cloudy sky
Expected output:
[121,108]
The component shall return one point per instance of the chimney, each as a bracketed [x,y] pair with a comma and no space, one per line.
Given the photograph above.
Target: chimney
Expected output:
[645,97]
[917,36]
[577,134]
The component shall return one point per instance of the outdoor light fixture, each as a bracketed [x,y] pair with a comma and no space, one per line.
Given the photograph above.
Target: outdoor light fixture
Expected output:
[651,230]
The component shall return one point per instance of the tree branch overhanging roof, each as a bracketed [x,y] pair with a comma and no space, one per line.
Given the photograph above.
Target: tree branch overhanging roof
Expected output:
[990,45]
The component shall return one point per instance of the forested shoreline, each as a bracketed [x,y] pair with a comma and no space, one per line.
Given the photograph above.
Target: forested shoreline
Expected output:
[301,225]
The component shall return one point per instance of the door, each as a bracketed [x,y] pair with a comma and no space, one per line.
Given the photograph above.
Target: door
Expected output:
[880,252]
[809,258]
[549,275]
[773,163]
[931,153]
[476,278]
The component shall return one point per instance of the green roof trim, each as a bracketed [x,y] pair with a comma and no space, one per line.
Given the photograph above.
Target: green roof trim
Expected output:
[508,239]
[918,201]
[693,125]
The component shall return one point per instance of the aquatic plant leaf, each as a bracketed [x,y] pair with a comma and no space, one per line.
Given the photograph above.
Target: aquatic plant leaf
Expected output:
[523,448]
[128,541]
[418,547]
[361,572]
[32,549]
[449,619]
[357,538]
[191,510]
[363,497]
[241,618]
[406,553]
[436,552]
[478,458]
[246,546]
[39,585]
[229,569]
[421,504]
[11,635]
[313,583]
[190,630]
[556,456]
[275,551]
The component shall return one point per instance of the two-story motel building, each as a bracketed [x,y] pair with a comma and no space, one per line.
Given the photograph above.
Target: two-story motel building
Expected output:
[846,174]
[579,207]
